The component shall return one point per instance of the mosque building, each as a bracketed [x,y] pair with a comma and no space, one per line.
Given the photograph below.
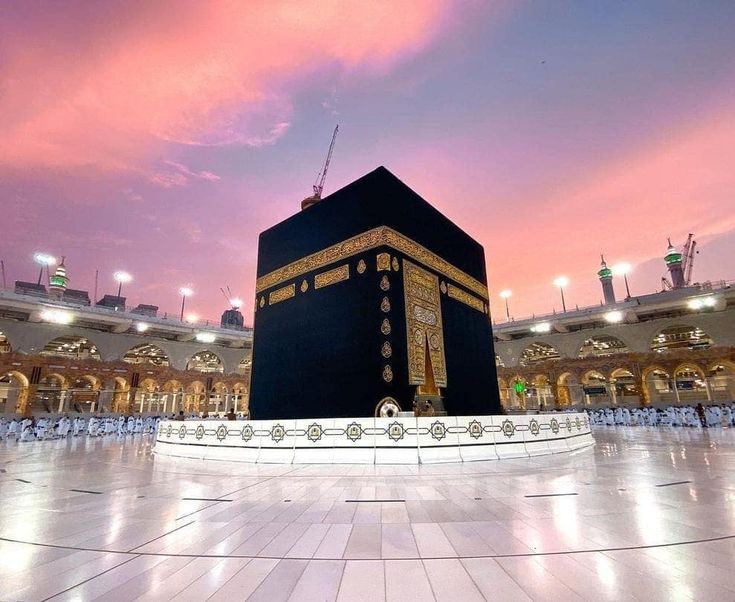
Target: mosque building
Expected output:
[676,346]
[59,353]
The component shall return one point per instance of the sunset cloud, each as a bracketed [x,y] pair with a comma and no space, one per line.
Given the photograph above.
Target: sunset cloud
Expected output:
[109,87]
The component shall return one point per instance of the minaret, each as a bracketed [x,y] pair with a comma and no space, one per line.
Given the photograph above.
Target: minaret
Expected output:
[673,261]
[606,279]
[58,282]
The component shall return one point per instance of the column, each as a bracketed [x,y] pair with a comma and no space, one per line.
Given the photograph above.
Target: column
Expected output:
[676,391]
[142,401]
[236,398]
[165,399]
[707,388]
[62,401]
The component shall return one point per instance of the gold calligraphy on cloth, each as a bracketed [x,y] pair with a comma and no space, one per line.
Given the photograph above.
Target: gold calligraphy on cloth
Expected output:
[332,276]
[382,236]
[424,330]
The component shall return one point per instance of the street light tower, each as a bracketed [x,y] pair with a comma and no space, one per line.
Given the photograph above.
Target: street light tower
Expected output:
[185,292]
[505,295]
[44,260]
[623,269]
[121,277]
[561,282]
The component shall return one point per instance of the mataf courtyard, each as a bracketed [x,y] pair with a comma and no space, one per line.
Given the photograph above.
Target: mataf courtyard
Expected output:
[644,514]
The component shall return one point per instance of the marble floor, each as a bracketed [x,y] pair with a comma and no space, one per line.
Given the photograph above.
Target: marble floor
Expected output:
[647,514]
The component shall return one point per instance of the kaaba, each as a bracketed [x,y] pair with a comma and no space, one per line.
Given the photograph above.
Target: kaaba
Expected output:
[371,298]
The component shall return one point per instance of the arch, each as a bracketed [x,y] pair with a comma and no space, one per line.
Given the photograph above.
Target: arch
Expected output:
[593,377]
[538,352]
[602,345]
[14,386]
[205,361]
[146,353]
[50,393]
[148,385]
[73,347]
[568,390]
[596,391]
[541,392]
[147,396]
[120,395]
[172,386]
[84,393]
[625,386]
[4,344]
[172,396]
[194,397]
[721,376]
[657,387]
[690,383]
[240,400]
[680,336]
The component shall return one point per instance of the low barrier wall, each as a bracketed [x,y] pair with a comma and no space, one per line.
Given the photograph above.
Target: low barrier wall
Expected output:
[375,440]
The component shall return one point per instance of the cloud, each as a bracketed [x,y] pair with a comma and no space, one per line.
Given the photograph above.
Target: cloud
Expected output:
[107,84]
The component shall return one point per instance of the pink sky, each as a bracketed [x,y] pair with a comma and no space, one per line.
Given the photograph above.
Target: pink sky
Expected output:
[162,137]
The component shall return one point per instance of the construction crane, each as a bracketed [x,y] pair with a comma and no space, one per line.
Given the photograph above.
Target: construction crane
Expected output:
[687,264]
[688,261]
[318,186]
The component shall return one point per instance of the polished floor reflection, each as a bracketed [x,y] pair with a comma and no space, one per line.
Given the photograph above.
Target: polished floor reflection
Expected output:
[646,514]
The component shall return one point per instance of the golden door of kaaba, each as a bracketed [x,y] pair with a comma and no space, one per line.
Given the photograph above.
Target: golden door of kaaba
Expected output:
[424,330]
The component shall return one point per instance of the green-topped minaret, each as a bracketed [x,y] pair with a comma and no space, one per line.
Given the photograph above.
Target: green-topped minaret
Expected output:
[673,259]
[58,282]
[606,277]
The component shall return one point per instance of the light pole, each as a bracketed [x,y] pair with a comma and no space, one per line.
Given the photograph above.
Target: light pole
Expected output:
[185,292]
[505,295]
[44,260]
[623,269]
[561,282]
[121,277]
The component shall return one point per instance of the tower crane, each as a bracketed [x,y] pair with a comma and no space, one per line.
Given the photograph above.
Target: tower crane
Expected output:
[318,186]
[688,261]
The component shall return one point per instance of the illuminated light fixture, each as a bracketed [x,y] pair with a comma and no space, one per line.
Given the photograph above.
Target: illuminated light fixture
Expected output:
[57,316]
[141,327]
[236,303]
[205,337]
[191,318]
[561,282]
[506,294]
[623,269]
[44,260]
[541,327]
[702,303]
[614,317]
[121,278]
[185,292]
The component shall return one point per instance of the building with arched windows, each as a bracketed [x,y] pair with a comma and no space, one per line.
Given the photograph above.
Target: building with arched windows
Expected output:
[672,347]
[61,357]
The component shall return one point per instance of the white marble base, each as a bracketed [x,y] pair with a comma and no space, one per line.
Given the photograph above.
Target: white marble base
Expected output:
[401,440]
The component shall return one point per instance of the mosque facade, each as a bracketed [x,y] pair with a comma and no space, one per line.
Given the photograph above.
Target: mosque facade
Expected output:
[57,356]
[674,347]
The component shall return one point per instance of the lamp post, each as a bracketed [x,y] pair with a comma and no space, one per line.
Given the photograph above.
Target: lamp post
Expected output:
[185,292]
[623,269]
[120,278]
[561,282]
[505,295]
[44,260]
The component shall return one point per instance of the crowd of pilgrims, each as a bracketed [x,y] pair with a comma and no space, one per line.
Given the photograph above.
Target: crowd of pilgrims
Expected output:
[692,416]
[31,429]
